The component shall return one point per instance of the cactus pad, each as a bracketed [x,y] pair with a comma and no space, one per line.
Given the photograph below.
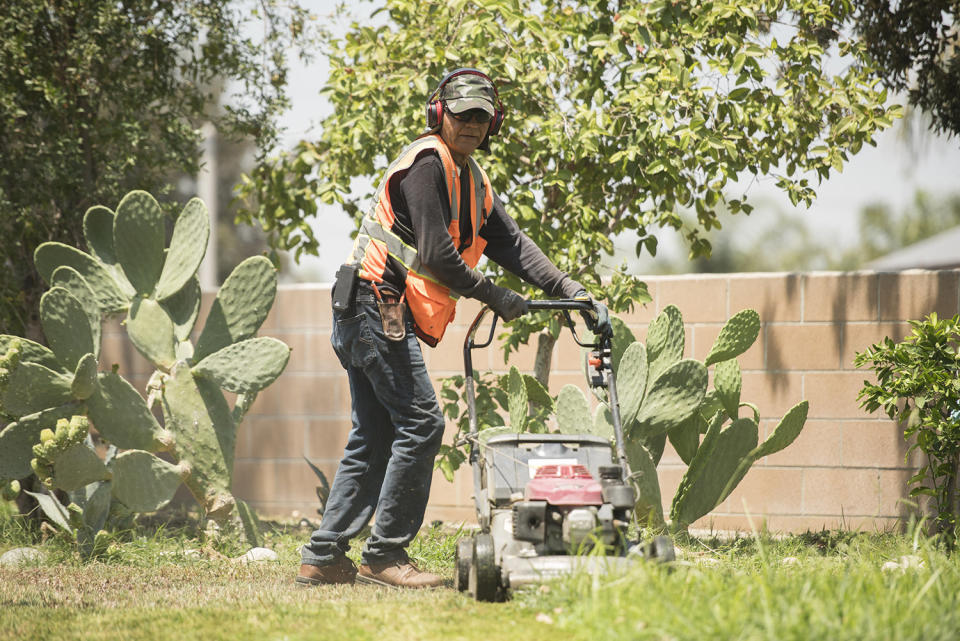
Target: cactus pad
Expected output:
[66,326]
[71,280]
[537,393]
[250,365]
[787,430]
[76,467]
[151,332]
[85,378]
[665,341]
[704,491]
[728,383]
[17,439]
[98,231]
[107,289]
[29,352]
[643,477]
[517,395]
[685,437]
[183,308]
[700,459]
[94,499]
[139,236]
[187,248]
[241,306]
[672,398]
[55,444]
[622,339]
[632,381]
[736,337]
[144,482]
[573,411]
[122,417]
[602,422]
[205,434]
[32,388]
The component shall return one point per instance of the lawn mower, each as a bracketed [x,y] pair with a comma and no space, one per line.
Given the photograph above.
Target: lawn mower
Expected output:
[548,504]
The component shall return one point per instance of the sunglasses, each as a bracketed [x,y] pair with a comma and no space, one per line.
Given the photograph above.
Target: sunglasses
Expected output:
[471,115]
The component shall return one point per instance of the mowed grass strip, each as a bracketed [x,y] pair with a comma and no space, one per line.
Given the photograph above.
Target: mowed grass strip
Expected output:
[146,585]
[223,600]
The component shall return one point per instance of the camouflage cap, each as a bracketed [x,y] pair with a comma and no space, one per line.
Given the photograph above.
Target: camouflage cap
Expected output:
[469,91]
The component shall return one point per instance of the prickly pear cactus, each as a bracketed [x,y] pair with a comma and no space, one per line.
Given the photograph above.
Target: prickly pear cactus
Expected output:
[62,459]
[736,337]
[518,400]
[48,395]
[665,341]
[662,395]
[573,410]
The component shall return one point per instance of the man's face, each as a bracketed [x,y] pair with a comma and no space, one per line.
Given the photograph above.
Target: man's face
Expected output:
[461,136]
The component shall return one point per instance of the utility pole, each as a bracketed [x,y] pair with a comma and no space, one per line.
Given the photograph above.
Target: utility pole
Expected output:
[207,192]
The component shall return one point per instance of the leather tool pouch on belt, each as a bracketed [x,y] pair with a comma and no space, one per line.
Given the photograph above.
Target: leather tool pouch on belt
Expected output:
[391,316]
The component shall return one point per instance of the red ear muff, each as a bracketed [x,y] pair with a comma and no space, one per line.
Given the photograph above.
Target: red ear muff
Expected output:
[496,122]
[434,114]
[435,105]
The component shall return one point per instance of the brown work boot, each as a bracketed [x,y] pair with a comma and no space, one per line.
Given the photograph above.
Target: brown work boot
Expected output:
[400,573]
[341,571]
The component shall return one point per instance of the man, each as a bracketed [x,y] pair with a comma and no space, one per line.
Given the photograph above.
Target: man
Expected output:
[435,216]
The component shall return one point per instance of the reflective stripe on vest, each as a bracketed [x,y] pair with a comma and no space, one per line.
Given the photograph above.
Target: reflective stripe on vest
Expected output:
[431,303]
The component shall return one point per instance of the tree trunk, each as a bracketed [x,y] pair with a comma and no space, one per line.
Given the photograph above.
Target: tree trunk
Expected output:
[541,366]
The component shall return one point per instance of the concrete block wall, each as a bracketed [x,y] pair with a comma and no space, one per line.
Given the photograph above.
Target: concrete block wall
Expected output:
[846,469]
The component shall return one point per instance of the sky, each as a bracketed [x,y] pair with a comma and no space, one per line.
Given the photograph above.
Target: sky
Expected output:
[907,158]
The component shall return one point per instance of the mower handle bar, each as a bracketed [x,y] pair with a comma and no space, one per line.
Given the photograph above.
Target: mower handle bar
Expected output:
[566,306]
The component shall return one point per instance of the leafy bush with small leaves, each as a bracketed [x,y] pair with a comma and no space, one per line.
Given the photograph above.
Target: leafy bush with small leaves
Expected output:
[520,396]
[918,385]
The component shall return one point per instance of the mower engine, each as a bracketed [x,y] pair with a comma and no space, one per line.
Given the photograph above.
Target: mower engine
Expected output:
[566,510]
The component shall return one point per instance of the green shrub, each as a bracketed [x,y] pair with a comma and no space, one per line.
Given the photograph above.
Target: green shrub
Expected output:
[918,385]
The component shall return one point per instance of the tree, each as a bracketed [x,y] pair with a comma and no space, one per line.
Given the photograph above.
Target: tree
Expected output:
[882,231]
[916,44]
[778,242]
[98,98]
[618,115]
[784,242]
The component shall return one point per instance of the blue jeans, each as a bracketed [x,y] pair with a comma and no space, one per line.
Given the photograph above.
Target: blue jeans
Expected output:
[387,465]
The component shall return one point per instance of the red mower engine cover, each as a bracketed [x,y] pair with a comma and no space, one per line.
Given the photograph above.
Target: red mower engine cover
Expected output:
[564,485]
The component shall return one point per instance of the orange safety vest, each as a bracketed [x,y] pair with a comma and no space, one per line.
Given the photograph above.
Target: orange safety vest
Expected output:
[432,304]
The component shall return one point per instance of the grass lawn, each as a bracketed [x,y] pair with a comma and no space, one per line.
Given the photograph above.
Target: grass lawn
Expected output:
[146,585]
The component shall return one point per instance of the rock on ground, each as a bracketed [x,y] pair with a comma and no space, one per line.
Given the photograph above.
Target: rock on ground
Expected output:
[22,556]
[258,555]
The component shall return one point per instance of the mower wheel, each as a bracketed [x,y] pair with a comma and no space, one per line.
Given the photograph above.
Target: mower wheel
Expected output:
[484,574]
[660,549]
[462,562]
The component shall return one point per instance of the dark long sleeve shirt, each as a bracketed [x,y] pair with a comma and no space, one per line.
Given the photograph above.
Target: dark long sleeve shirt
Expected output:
[423,215]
